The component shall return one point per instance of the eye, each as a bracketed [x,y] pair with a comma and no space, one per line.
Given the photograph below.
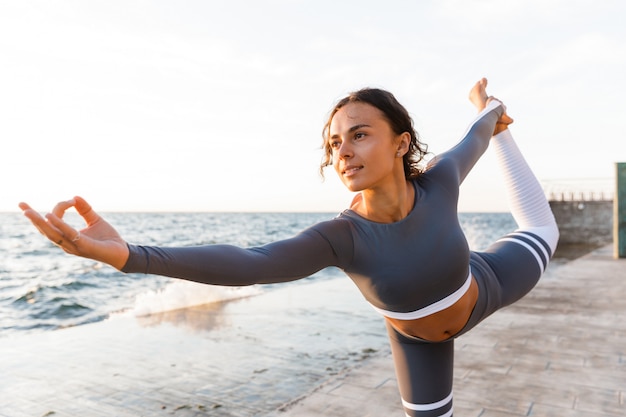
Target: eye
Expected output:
[334,144]
[359,135]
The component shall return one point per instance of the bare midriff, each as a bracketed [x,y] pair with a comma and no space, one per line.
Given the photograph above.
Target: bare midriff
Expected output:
[443,324]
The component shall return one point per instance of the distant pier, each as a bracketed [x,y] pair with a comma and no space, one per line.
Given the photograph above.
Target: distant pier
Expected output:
[583,209]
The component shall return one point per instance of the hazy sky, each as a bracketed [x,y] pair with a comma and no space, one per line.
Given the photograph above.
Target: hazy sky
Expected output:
[219,105]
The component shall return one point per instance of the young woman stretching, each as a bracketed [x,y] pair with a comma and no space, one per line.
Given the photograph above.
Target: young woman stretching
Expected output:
[400,241]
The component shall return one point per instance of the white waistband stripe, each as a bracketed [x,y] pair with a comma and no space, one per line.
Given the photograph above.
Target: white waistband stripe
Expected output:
[432,308]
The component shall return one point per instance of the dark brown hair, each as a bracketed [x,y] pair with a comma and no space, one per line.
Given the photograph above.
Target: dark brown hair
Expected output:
[398,118]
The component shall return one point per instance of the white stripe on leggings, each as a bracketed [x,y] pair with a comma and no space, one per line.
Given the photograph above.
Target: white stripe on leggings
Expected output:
[527,246]
[535,241]
[427,407]
[448,414]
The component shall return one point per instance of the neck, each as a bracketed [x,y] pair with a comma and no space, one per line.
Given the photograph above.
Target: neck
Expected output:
[385,206]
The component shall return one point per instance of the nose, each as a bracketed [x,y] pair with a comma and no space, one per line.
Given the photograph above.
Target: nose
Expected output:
[345,150]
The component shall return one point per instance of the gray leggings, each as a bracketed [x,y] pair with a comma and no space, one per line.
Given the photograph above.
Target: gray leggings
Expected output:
[505,272]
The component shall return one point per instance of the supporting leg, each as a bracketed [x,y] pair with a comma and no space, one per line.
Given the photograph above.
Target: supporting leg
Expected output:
[425,372]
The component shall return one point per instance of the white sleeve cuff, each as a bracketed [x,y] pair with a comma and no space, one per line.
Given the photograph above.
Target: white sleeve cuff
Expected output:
[504,135]
[493,104]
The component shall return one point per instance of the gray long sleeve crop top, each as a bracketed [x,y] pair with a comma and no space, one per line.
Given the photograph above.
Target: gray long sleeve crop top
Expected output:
[402,267]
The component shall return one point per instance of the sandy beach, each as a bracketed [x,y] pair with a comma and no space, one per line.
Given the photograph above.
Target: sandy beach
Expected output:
[558,352]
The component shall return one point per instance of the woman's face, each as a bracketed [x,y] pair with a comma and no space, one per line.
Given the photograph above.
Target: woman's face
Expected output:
[366,153]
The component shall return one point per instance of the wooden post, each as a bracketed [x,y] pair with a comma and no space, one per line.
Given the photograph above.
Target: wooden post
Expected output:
[619,211]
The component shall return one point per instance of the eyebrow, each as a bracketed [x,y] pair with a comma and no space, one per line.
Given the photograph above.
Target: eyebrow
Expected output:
[352,129]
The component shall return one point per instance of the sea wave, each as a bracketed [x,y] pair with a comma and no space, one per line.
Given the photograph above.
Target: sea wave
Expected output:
[183,294]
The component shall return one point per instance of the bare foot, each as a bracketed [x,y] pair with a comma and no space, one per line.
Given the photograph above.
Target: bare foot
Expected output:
[479,98]
[478,94]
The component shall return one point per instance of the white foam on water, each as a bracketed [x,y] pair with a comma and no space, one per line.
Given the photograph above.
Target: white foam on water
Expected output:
[182,294]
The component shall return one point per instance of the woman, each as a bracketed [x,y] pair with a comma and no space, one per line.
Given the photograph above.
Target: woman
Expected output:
[400,241]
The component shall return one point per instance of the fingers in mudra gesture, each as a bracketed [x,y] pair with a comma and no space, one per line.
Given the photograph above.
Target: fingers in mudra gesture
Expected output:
[98,240]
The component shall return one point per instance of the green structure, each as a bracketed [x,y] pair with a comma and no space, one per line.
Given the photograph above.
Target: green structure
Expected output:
[619,210]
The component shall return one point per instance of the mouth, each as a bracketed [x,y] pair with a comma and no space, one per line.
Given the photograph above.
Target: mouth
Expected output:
[351,170]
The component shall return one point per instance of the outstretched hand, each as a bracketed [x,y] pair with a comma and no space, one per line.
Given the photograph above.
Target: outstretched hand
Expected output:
[98,240]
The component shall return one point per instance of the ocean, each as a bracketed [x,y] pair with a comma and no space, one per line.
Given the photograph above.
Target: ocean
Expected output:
[43,289]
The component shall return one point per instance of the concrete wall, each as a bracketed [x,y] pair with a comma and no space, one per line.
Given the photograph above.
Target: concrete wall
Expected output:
[584,222]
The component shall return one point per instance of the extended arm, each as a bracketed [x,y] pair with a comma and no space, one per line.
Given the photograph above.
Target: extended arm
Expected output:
[281,261]
[462,157]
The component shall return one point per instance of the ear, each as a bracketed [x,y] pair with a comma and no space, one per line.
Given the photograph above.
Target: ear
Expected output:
[404,141]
